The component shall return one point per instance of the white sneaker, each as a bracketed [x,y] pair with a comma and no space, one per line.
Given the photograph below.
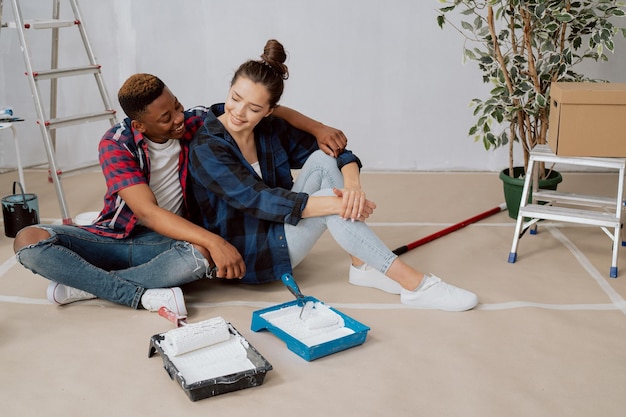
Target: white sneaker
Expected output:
[62,294]
[367,276]
[436,294]
[171,298]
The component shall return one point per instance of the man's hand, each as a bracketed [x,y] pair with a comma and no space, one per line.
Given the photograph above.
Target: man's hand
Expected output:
[330,140]
[213,247]
[229,263]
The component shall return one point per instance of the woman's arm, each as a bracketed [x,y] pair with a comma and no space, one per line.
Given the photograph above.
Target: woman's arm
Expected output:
[330,140]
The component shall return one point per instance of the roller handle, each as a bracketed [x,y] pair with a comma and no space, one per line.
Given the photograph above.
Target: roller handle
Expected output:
[173,317]
[292,286]
[404,249]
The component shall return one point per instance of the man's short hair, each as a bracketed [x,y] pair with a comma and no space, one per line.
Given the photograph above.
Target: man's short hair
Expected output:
[138,92]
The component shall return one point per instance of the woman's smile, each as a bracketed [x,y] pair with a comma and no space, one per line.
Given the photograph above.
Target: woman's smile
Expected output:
[236,121]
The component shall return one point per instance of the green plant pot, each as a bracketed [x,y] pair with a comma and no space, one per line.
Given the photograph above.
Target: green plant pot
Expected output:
[513,187]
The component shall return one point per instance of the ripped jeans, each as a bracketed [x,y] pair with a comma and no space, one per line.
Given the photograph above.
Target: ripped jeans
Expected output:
[118,270]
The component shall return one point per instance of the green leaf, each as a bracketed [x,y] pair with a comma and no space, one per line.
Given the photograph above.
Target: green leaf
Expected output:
[467,26]
[610,46]
[478,22]
[552,27]
[540,10]
[525,86]
[483,32]
[564,17]
[486,144]
[504,138]
[498,116]
[447,9]
[554,59]
[540,100]
[498,91]
[441,20]
[577,42]
[469,54]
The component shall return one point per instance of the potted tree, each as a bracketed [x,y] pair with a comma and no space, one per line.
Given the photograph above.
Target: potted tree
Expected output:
[521,47]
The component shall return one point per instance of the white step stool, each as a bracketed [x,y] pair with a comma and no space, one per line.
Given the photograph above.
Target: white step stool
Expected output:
[18,160]
[610,218]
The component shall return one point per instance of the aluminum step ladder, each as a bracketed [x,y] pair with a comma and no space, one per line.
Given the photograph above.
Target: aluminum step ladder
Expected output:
[50,123]
[605,212]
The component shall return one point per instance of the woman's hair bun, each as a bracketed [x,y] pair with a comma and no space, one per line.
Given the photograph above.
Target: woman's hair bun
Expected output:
[274,56]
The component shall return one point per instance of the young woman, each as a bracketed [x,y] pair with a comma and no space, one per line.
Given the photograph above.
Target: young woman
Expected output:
[240,168]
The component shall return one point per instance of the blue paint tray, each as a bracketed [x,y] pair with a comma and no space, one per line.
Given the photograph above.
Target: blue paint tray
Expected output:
[303,350]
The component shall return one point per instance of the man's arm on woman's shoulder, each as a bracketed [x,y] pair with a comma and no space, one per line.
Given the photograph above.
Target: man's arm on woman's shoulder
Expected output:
[330,140]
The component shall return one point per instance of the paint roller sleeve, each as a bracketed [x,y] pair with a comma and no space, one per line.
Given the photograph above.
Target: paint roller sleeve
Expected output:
[320,317]
[195,336]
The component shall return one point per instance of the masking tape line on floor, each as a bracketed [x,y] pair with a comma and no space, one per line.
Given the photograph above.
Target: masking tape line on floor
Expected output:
[618,302]
[617,299]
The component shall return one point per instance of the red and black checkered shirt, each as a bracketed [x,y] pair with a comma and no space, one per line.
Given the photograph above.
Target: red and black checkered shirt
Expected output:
[123,155]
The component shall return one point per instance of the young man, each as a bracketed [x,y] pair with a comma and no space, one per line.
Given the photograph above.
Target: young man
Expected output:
[143,245]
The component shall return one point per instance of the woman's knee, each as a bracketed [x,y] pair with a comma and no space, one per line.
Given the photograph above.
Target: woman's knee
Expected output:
[29,236]
[321,158]
[319,171]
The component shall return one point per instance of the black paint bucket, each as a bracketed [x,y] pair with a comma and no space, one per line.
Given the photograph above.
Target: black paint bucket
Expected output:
[19,211]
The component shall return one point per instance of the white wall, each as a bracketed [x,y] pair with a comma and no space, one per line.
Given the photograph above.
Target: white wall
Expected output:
[383,73]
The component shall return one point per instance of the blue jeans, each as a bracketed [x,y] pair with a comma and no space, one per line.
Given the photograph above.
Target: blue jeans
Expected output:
[318,177]
[118,270]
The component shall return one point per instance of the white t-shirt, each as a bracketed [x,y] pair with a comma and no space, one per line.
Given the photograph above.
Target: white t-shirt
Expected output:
[257,168]
[164,178]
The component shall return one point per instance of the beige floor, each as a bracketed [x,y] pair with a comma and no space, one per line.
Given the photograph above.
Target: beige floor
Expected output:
[548,338]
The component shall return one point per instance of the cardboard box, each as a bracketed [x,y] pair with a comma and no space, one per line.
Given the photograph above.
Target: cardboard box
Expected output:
[588,119]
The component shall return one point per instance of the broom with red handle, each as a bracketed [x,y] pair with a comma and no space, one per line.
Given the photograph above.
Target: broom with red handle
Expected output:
[454,227]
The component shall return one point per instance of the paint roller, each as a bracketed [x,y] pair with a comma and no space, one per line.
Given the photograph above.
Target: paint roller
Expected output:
[321,317]
[190,337]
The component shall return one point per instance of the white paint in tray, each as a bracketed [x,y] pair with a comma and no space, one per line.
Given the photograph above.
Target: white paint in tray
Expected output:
[226,357]
[319,324]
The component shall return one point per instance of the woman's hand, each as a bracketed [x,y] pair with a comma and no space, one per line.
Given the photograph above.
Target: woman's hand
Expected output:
[354,205]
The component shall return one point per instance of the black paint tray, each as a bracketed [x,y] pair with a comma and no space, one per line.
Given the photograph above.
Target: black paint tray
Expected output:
[220,385]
